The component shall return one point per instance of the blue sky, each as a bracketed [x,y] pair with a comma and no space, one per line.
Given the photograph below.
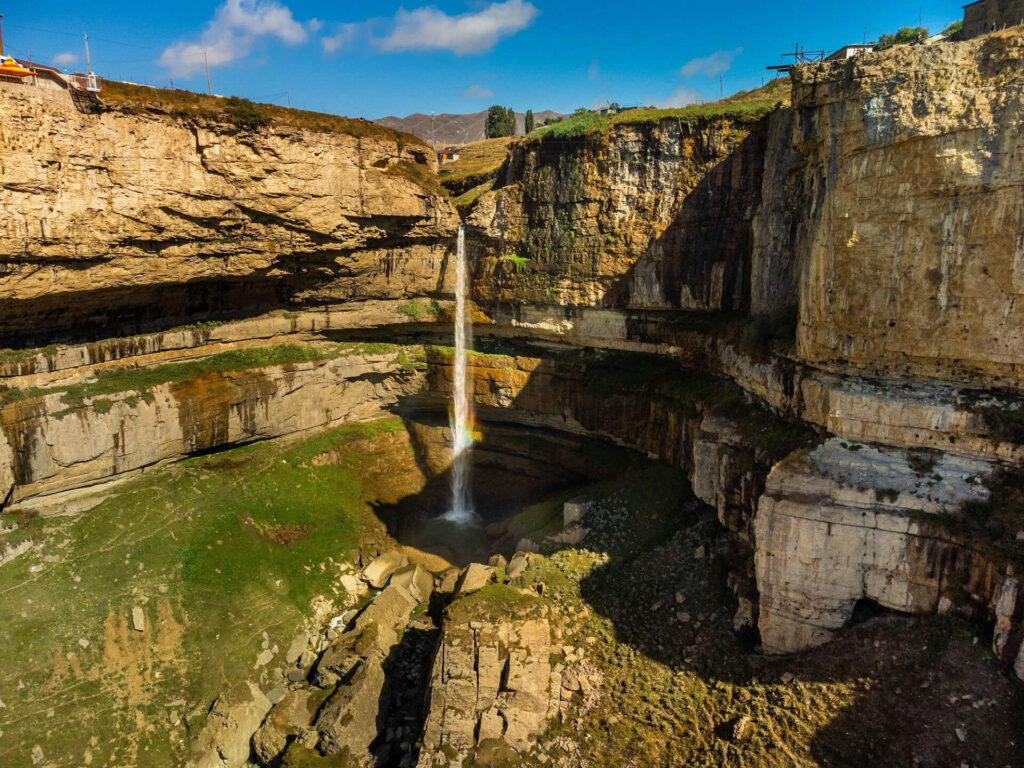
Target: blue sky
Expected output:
[377,58]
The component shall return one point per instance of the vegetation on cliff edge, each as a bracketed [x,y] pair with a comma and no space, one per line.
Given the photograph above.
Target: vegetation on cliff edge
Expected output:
[743,107]
[178,103]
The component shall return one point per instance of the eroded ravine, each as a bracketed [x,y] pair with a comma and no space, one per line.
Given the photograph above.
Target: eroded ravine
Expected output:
[724,414]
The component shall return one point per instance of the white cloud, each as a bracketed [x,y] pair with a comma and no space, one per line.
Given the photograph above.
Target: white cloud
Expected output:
[236,26]
[681,97]
[477,92]
[346,34]
[65,59]
[426,29]
[709,66]
[314,25]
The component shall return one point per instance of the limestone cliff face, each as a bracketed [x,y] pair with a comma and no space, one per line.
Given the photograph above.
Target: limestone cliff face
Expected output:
[914,179]
[113,219]
[47,446]
[842,523]
[654,215]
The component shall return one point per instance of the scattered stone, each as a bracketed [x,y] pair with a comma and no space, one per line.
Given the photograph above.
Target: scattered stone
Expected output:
[740,727]
[497,561]
[518,565]
[449,581]
[475,576]
[699,553]
[377,573]
[787,677]
[298,644]
[1020,535]
[265,657]
[961,735]
[291,715]
[83,643]
[945,606]
[679,598]
[138,619]
[416,579]
[233,719]
[306,659]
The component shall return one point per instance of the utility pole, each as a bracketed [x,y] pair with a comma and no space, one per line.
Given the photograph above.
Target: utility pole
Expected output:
[1,35]
[289,95]
[88,61]
[432,142]
[209,91]
[721,86]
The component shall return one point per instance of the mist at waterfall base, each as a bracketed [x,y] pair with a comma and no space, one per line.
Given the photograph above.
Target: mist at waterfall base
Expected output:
[461,418]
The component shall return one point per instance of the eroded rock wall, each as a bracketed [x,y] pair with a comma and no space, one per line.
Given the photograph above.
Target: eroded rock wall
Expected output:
[47,445]
[114,220]
[915,177]
[647,215]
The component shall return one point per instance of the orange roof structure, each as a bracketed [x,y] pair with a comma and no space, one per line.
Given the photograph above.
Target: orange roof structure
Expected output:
[10,67]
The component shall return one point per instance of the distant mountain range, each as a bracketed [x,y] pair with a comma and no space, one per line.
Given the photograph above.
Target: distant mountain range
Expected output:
[455,129]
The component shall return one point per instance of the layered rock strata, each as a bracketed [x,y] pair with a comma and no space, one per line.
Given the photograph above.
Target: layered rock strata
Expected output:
[848,522]
[649,215]
[115,219]
[47,445]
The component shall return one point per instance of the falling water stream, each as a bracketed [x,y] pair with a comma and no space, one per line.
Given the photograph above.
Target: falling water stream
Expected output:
[461,418]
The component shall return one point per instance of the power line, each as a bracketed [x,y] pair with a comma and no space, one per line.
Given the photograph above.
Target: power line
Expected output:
[75,35]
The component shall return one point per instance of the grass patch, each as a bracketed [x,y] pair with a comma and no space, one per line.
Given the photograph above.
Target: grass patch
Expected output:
[418,174]
[420,310]
[519,262]
[195,545]
[467,199]
[495,602]
[188,105]
[478,162]
[743,107]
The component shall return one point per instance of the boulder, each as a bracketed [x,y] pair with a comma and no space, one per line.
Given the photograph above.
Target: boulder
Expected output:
[377,573]
[475,576]
[497,561]
[491,686]
[233,718]
[381,568]
[449,581]
[388,611]
[286,720]
[416,579]
[298,644]
[352,717]
[518,564]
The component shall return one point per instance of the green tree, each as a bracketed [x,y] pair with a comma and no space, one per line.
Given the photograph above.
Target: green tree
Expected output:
[501,121]
[903,36]
[953,28]
[529,121]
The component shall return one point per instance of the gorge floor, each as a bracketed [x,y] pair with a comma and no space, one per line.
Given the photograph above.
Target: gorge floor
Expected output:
[228,555]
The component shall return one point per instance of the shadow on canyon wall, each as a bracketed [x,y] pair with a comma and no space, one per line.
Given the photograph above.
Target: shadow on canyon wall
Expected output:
[303,280]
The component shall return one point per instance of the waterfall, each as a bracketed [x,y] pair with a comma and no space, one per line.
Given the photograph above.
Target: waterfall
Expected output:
[461,417]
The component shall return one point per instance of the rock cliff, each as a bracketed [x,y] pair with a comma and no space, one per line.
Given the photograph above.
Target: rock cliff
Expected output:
[122,218]
[913,176]
[654,215]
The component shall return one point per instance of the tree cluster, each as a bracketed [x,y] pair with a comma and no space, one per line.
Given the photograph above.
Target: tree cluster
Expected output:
[501,121]
[903,36]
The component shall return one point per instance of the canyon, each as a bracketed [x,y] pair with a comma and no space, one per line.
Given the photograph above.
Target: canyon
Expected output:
[766,353]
